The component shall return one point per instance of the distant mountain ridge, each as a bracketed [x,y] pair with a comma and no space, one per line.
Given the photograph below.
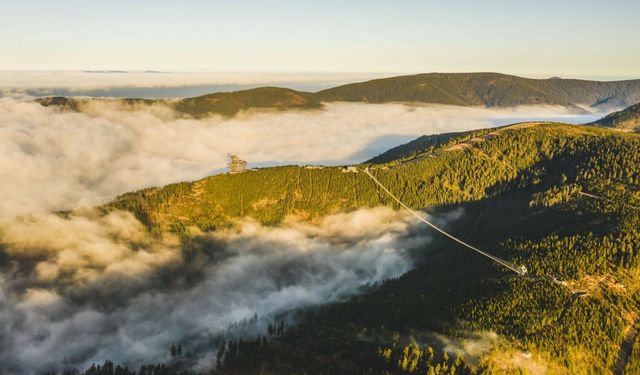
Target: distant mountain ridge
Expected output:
[487,89]
[461,89]
[230,103]
[223,103]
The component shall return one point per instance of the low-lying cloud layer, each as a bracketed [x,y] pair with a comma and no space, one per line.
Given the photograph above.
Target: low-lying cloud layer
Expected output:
[86,286]
[105,289]
[52,160]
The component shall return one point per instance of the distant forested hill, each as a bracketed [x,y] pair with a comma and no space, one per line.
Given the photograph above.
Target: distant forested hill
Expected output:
[223,103]
[627,119]
[462,89]
[230,103]
[486,89]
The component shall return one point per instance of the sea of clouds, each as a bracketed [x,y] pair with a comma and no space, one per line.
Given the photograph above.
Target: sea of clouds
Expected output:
[85,287]
[53,160]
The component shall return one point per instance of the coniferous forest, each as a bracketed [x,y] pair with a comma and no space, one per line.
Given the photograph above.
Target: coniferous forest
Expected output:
[561,200]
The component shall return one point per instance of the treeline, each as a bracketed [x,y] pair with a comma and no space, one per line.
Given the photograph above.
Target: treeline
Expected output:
[108,368]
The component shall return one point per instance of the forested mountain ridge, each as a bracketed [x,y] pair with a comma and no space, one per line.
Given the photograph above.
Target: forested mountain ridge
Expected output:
[230,103]
[521,188]
[486,89]
[454,174]
[424,145]
[461,89]
[626,119]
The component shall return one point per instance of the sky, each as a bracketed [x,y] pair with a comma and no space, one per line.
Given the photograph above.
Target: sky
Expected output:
[586,39]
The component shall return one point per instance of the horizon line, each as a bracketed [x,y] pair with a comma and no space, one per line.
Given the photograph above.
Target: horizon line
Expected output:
[382,74]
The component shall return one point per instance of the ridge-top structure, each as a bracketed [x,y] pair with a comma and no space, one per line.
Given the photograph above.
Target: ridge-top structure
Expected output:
[236,165]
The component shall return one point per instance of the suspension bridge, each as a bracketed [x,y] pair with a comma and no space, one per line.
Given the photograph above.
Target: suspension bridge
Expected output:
[520,270]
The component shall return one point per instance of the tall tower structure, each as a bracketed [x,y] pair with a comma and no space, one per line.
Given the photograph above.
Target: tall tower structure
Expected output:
[236,165]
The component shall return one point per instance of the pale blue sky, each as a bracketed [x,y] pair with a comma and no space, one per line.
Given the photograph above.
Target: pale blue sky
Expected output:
[537,38]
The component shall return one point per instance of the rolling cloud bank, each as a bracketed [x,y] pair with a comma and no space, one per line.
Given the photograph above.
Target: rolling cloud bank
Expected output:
[85,286]
[52,160]
[102,288]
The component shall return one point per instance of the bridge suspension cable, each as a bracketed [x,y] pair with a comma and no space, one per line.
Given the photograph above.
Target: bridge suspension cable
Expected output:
[520,270]
[607,200]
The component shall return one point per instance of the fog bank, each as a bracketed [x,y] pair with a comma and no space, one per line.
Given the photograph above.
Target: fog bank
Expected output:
[103,289]
[53,160]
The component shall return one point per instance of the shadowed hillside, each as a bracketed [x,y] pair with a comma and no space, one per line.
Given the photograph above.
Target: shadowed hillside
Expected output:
[627,119]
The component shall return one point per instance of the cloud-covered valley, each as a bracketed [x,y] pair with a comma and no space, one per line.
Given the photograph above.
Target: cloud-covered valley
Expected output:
[52,160]
[103,288]
[86,286]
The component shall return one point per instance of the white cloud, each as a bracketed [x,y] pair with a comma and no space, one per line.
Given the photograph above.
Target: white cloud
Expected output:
[94,312]
[51,160]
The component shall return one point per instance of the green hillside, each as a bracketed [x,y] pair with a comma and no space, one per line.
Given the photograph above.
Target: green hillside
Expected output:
[230,103]
[626,119]
[521,188]
[62,102]
[486,89]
